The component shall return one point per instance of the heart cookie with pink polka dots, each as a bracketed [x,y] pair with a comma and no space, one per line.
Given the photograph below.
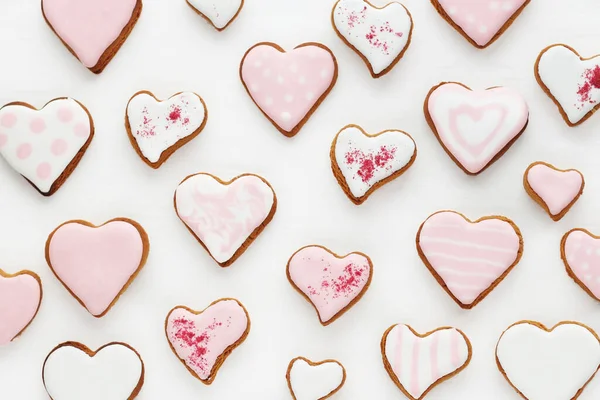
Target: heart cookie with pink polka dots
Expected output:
[481,22]
[580,251]
[288,86]
[45,145]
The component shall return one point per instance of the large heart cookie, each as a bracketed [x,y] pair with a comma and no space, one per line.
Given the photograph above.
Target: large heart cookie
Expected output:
[380,36]
[580,252]
[417,363]
[92,30]
[20,299]
[469,259]
[475,127]
[564,358]
[220,13]
[309,380]
[288,87]
[45,146]
[481,22]
[113,372]
[156,129]
[362,163]
[225,217]
[202,340]
[96,264]
[332,284]
[571,81]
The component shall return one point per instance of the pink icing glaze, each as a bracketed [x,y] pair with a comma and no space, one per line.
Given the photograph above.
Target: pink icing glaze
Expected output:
[556,188]
[481,20]
[468,257]
[330,283]
[88,27]
[20,298]
[286,86]
[199,340]
[96,263]
[582,252]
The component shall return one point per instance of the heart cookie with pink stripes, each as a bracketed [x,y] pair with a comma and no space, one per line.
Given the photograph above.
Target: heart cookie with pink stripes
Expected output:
[288,86]
[417,363]
[469,259]
[20,299]
[580,251]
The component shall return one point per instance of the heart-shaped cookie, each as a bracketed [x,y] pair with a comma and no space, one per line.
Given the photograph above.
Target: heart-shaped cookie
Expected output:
[20,299]
[571,81]
[309,380]
[220,13]
[556,190]
[45,145]
[202,340]
[156,129]
[288,86]
[481,22]
[380,36]
[469,259]
[580,251]
[417,363]
[96,264]
[565,358]
[92,30]
[362,163]
[331,283]
[475,127]
[72,371]
[225,217]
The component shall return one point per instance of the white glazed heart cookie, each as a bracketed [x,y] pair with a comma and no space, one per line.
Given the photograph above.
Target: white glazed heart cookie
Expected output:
[220,13]
[309,380]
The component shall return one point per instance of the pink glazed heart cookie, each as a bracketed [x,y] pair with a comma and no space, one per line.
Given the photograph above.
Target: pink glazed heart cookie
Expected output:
[331,283]
[46,145]
[288,86]
[554,189]
[202,340]
[20,299]
[92,30]
[475,127]
[481,22]
[580,252]
[469,259]
[96,264]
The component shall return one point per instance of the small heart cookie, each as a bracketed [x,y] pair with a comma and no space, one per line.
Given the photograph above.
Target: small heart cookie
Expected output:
[418,363]
[220,13]
[580,252]
[309,380]
[571,81]
[96,264]
[475,127]
[46,145]
[288,86]
[556,190]
[481,22]
[469,259]
[565,359]
[156,129]
[202,340]
[380,36]
[362,163]
[20,299]
[113,372]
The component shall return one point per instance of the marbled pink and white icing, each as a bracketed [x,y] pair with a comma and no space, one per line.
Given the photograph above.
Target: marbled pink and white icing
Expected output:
[582,256]
[20,298]
[286,86]
[468,257]
[219,12]
[200,339]
[557,189]
[379,34]
[475,126]
[329,282]
[223,216]
[41,144]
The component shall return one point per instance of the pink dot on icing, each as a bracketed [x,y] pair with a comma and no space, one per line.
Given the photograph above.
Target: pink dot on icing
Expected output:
[24,150]
[8,120]
[82,130]
[3,139]
[37,125]
[59,146]
[43,170]
[65,115]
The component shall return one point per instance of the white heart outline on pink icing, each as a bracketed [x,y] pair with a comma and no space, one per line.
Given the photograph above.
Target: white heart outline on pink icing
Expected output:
[578,260]
[21,323]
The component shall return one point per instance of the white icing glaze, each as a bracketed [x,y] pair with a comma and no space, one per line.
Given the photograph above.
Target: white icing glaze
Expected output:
[112,374]
[219,12]
[366,160]
[41,144]
[380,35]
[156,126]
[315,382]
[548,365]
[565,76]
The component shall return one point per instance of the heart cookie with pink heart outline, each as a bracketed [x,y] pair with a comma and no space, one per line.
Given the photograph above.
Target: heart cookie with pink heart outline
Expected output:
[20,299]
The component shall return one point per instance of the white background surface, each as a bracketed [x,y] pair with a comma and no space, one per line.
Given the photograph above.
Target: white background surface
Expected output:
[173,49]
